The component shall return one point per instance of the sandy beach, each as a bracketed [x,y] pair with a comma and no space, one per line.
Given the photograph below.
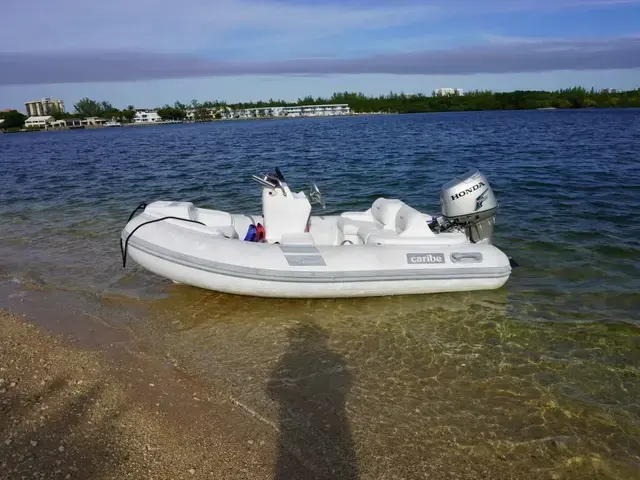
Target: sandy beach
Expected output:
[88,392]
[69,412]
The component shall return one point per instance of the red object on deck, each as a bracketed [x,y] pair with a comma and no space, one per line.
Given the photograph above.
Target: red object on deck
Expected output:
[260,233]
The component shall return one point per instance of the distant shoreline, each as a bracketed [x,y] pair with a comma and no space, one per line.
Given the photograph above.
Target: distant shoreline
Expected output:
[340,104]
[179,122]
[354,114]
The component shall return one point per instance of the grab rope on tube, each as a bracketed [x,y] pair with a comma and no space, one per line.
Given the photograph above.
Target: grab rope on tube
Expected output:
[125,245]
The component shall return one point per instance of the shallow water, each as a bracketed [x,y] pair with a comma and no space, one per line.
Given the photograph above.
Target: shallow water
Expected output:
[541,376]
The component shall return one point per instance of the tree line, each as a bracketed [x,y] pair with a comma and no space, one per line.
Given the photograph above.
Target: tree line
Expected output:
[87,107]
[576,97]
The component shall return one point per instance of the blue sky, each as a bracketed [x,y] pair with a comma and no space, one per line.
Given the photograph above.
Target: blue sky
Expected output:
[151,52]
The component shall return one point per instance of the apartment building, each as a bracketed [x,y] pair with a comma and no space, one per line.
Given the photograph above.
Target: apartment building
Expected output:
[44,107]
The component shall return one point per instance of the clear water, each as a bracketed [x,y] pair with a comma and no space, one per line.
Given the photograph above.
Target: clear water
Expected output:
[540,379]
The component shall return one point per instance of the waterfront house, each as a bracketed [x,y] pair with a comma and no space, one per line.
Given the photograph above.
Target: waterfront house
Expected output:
[146,116]
[329,110]
[43,121]
[447,91]
[207,114]
[74,123]
[95,121]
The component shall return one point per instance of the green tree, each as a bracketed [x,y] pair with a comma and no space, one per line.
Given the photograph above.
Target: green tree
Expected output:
[128,114]
[574,97]
[12,119]
[172,113]
[58,114]
[202,113]
[107,107]
[87,108]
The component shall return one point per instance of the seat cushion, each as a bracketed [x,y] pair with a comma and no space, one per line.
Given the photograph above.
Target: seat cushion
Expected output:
[365,234]
[411,222]
[384,210]
[351,227]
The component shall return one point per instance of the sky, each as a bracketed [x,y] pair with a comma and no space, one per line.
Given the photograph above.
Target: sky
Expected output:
[152,52]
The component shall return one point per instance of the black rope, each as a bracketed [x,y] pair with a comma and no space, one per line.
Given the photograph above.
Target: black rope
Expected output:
[123,247]
[142,205]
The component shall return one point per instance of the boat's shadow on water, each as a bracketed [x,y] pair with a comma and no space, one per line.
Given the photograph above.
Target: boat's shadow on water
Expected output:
[310,384]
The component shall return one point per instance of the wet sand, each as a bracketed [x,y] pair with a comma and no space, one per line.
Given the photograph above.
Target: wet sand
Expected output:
[69,412]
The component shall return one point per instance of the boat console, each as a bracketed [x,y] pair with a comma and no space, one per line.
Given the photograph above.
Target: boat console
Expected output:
[285,213]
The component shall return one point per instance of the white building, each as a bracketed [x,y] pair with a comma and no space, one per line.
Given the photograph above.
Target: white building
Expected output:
[39,121]
[448,91]
[44,107]
[146,116]
[208,113]
[95,121]
[329,110]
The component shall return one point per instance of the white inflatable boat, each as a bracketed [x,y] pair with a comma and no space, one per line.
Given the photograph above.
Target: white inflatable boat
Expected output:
[389,249]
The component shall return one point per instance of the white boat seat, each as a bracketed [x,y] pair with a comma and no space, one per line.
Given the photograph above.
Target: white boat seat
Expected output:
[384,210]
[411,222]
[382,214]
[410,227]
[351,227]
[388,222]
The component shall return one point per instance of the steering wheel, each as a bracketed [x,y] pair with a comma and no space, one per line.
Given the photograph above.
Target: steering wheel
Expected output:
[315,195]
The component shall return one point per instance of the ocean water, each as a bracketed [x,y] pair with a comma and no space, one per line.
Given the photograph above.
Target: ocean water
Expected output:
[539,379]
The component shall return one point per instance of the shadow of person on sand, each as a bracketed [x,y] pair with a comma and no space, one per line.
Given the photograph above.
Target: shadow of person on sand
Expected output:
[310,383]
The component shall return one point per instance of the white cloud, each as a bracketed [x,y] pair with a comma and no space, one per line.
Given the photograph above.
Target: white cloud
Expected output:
[186,25]
[117,66]
[241,89]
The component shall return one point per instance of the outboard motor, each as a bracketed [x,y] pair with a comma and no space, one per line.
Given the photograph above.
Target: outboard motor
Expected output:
[468,202]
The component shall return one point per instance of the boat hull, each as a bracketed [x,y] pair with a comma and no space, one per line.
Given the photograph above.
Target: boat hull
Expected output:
[282,289]
[191,257]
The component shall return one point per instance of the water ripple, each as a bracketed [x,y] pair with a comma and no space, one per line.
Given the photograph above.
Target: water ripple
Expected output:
[541,375]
